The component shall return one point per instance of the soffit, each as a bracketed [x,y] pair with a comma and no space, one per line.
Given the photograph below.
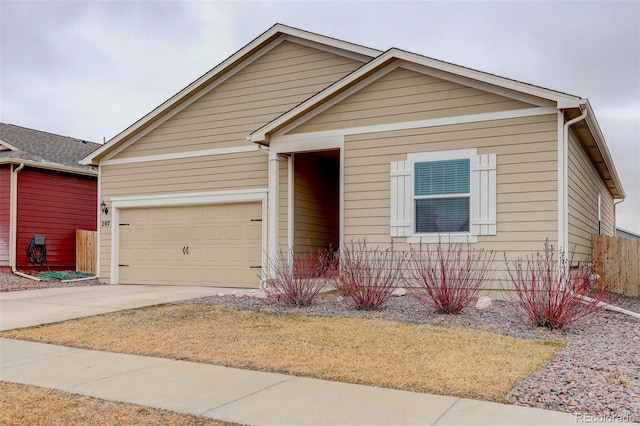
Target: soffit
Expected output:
[595,147]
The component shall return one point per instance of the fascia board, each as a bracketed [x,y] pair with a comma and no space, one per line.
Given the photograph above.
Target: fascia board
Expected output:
[562,100]
[175,99]
[594,127]
[329,41]
[47,166]
[221,68]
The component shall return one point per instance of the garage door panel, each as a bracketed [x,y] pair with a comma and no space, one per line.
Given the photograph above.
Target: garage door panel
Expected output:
[216,245]
[212,232]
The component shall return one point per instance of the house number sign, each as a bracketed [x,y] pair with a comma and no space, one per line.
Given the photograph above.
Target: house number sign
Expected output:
[105,223]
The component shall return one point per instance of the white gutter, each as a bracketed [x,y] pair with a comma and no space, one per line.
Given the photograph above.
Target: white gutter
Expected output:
[50,166]
[13,223]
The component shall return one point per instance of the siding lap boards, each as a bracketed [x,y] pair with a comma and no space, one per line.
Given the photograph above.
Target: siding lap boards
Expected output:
[221,118]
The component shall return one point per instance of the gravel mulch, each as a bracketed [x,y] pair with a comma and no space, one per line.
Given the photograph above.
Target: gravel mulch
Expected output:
[598,374]
[12,282]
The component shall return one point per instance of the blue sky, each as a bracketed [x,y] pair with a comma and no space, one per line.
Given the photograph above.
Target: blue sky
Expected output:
[89,69]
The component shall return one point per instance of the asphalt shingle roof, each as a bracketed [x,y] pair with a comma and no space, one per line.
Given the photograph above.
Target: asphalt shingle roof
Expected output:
[43,147]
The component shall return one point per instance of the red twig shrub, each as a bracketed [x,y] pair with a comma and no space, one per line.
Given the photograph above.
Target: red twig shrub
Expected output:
[449,279]
[299,277]
[365,277]
[556,294]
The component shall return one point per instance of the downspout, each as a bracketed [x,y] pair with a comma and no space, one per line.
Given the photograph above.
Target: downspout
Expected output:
[565,203]
[609,307]
[615,219]
[13,223]
[565,180]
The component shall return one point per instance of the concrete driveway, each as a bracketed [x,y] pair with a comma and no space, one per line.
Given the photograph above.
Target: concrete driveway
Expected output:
[33,307]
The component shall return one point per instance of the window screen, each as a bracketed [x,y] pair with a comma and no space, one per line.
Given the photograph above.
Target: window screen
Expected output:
[442,196]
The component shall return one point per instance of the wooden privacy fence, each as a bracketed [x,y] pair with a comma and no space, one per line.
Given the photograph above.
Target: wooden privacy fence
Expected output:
[86,251]
[617,260]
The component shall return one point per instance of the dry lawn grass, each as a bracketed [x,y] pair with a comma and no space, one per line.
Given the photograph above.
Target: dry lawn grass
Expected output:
[34,405]
[415,357]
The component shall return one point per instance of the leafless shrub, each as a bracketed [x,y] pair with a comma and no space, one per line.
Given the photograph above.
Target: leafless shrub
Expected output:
[556,294]
[450,278]
[299,277]
[365,277]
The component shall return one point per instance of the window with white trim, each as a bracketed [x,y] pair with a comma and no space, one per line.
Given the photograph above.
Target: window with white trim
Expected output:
[441,196]
[448,195]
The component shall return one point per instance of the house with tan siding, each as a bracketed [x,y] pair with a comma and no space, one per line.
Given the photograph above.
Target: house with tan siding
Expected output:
[300,138]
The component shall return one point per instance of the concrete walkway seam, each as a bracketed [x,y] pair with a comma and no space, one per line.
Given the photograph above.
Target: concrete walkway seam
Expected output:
[207,412]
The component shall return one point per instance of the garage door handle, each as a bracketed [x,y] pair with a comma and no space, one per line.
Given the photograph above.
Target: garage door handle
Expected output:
[185,250]
[255,267]
[124,266]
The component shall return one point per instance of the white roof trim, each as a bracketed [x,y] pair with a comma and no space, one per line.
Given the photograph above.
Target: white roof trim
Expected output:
[8,146]
[50,166]
[182,154]
[563,100]
[192,99]
[417,124]
[224,65]
[321,40]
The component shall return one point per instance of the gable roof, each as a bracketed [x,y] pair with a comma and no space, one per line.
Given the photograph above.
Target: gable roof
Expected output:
[373,61]
[44,150]
[595,144]
[277,31]
[562,99]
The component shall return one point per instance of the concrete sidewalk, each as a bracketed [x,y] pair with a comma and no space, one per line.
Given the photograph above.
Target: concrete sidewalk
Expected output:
[247,397]
[241,396]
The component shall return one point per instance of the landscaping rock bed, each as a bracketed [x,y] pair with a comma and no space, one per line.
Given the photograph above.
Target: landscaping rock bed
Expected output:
[598,374]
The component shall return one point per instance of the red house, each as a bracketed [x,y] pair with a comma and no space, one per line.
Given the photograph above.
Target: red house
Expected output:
[45,195]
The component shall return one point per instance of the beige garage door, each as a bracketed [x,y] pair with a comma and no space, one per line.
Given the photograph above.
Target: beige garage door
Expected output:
[212,245]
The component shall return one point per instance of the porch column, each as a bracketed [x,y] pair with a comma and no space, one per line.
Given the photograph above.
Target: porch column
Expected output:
[272,219]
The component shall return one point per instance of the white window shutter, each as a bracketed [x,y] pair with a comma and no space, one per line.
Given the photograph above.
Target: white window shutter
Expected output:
[401,198]
[483,194]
